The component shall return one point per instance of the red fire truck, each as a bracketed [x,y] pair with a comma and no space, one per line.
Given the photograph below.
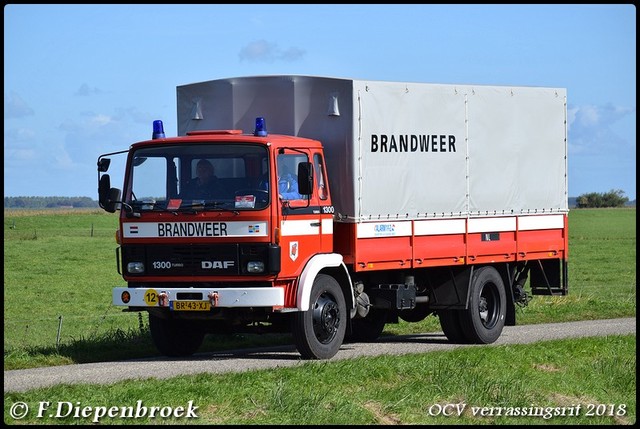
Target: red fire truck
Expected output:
[336,206]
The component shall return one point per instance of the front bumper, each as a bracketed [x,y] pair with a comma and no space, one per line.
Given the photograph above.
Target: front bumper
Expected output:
[217,297]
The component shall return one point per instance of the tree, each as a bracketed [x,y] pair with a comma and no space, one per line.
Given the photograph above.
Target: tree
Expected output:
[613,198]
[48,202]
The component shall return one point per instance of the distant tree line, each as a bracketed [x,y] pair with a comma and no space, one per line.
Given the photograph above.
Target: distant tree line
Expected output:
[48,202]
[613,198]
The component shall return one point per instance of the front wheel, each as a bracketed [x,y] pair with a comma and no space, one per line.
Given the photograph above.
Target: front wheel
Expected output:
[482,323]
[319,332]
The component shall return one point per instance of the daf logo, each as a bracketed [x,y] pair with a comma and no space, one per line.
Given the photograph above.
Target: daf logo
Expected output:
[216,265]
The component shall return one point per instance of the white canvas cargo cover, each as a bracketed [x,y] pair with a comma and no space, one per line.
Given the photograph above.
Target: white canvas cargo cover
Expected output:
[404,150]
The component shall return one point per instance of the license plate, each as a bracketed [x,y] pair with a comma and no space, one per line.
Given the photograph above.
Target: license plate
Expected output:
[190,305]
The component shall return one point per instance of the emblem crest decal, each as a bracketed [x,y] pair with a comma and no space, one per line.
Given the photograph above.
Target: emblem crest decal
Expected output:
[293,250]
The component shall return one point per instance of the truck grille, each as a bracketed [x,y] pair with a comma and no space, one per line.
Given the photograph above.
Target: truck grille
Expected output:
[185,260]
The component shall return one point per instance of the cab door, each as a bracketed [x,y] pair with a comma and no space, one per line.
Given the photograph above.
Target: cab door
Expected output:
[300,216]
[325,207]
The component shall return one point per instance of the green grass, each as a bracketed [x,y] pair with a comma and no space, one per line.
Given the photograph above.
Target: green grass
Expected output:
[602,270]
[570,377]
[60,269]
[55,266]
[58,272]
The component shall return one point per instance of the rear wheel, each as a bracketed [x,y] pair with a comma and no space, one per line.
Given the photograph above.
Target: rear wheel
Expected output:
[175,337]
[319,332]
[451,325]
[482,323]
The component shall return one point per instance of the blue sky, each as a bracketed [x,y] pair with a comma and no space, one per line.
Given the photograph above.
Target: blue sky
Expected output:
[83,80]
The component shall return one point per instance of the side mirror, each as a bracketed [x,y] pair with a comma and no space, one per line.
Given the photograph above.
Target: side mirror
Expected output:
[103,164]
[113,202]
[108,197]
[305,178]
[104,184]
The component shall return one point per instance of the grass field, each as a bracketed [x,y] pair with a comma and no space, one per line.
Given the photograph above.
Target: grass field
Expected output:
[588,381]
[64,265]
[60,267]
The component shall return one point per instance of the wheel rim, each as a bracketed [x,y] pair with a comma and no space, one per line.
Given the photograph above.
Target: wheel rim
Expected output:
[326,319]
[488,305]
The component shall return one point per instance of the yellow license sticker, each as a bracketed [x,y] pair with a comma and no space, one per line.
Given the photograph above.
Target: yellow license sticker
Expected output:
[151,297]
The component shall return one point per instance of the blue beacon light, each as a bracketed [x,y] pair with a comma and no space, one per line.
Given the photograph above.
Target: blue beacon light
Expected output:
[158,130]
[261,127]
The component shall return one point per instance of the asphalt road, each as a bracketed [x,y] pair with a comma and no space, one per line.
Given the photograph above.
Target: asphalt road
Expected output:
[285,356]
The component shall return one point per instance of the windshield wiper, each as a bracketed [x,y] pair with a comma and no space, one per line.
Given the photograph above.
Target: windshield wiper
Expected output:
[195,206]
[205,205]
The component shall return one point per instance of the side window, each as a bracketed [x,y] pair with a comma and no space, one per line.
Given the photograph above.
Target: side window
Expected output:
[318,165]
[287,176]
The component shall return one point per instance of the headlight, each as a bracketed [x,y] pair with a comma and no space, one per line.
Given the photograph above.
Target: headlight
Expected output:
[255,267]
[135,267]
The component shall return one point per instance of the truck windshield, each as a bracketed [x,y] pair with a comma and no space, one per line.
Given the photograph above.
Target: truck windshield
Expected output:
[199,176]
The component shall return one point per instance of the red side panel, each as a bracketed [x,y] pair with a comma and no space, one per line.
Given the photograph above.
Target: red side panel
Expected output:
[490,247]
[383,245]
[542,237]
[383,253]
[540,244]
[344,241]
[447,242]
[439,250]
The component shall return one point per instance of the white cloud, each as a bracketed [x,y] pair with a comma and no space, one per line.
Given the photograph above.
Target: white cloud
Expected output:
[264,51]
[16,107]
[64,161]
[85,90]
[18,136]
[100,120]
[591,129]
[20,155]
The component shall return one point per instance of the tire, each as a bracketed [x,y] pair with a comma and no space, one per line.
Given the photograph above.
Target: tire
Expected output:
[368,328]
[174,337]
[319,332]
[482,323]
[451,326]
